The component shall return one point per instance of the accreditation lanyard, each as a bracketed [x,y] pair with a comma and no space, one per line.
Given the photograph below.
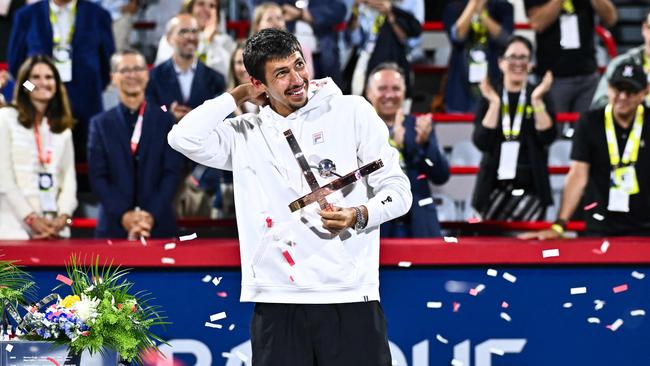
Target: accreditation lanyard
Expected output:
[568,7]
[57,36]
[479,31]
[631,151]
[511,132]
[44,154]
[137,131]
[646,69]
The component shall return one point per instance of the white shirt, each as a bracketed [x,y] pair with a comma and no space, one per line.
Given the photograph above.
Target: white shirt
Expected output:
[185,78]
[64,21]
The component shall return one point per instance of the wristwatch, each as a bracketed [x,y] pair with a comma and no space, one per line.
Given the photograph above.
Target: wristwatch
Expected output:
[361,222]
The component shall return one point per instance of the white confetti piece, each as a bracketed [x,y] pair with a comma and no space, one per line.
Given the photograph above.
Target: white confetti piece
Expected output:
[508,277]
[497,351]
[492,272]
[593,320]
[638,275]
[598,217]
[517,192]
[604,246]
[599,304]
[29,86]
[567,305]
[170,246]
[188,237]
[505,316]
[164,108]
[143,241]
[434,305]
[167,260]
[218,316]
[9,347]
[549,253]
[569,133]
[455,362]
[450,239]
[216,281]
[441,339]
[210,325]
[226,354]
[425,201]
[206,278]
[615,325]
[241,356]
[404,264]
[428,161]
[231,327]
[638,312]
[578,290]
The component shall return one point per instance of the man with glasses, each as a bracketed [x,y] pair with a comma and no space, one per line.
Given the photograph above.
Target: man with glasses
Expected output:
[639,55]
[132,170]
[610,163]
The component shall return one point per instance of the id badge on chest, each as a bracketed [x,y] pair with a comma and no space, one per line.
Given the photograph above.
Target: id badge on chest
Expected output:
[625,179]
[46,192]
[508,160]
[569,32]
[63,62]
[478,65]
[619,200]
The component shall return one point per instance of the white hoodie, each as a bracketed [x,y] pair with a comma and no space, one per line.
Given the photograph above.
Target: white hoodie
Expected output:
[289,257]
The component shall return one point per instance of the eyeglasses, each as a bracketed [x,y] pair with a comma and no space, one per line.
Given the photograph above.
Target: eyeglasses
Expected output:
[184,32]
[520,58]
[128,70]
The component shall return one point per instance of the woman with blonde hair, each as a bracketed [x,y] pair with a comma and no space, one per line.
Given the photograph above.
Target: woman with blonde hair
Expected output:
[38,185]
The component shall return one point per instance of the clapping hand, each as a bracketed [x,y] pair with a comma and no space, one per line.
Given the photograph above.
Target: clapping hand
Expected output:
[423,128]
[488,91]
[543,87]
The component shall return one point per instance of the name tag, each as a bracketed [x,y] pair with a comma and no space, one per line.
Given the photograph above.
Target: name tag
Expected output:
[619,200]
[625,179]
[478,66]
[63,62]
[569,32]
[508,160]
[46,193]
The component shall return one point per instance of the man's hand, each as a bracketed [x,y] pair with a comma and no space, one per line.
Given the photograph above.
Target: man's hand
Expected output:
[338,219]
[179,110]
[138,223]
[423,128]
[249,93]
[398,129]
[548,234]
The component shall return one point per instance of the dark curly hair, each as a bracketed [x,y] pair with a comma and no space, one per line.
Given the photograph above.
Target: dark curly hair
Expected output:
[267,45]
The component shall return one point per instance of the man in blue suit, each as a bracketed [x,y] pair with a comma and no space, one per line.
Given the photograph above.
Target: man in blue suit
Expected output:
[132,170]
[77,34]
[420,156]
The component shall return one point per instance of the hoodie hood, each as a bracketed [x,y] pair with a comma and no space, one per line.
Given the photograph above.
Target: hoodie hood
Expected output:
[319,92]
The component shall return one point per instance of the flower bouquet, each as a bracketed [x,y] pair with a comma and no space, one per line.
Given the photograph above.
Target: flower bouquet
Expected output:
[101,313]
[16,287]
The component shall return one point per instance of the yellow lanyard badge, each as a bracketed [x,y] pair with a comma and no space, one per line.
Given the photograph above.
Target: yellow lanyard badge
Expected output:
[511,131]
[567,7]
[57,38]
[624,174]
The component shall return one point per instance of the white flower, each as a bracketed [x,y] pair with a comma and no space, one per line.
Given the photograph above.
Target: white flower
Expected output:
[86,309]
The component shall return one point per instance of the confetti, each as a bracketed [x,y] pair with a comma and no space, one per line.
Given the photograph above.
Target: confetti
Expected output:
[604,246]
[638,275]
[428,161]
[216,281]
[143,241]
[492,272]
[569,133]
[639,312]
[474,220]
[223,294]
[620,288]
[164,108]
[109,242]
[422,177]
[505,316]
[593,320]
[456,306]
[167,260]
[210,325]
[441,339]
[475,291]
[226,354]
[549,253]
[35,260]
[508,277]
[206,278]
[567,305]
[288,257]
[188,237]
[615,325]
[517,192]
[269,222]
[53,361]
[505,305]
[434,305]
[590,206]
[9,347]
[450,239]
[291,278]
[404,264]
[170,246]
[425,201]
[578,290]
[64,279]
[598,217]
[497,351]
[599,304]
[218,316]
[29,86]
[241,356]
[455,362]
[231,327]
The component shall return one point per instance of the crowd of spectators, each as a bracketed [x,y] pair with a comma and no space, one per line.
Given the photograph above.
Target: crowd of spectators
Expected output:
[65,56]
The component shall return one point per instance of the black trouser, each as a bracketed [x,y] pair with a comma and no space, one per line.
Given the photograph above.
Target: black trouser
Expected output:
[352,334]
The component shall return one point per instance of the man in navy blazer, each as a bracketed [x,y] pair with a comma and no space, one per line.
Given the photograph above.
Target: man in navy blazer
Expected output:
[182,83]
[131,168]
[80,31]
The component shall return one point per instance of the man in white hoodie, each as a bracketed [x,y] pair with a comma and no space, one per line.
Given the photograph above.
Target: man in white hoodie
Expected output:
[314,274]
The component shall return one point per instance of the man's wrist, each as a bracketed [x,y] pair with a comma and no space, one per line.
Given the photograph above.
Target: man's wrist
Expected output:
[361,220]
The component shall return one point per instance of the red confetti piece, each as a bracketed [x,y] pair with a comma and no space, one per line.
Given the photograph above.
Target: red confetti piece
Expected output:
[64,279]
[473,292]
[53,361]
[474,220]
[422,177]
[291,278]
[590,206]
[621,288]
[35,259]
[222,294]
[287,256]
[164,108]
[269,222]
[504,305]
[456,306]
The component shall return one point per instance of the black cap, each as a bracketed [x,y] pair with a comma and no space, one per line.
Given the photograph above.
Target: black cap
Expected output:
[629,76]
